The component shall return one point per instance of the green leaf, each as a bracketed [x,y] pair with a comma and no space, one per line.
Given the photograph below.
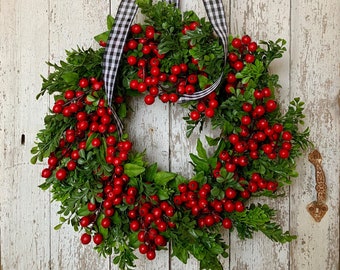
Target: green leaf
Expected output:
[202,153]
[34,159]
[151,171]
[133,240]
[45,186]
[200,164]
[212,141]
[102,37]
[162,178]
[58,226]
[83,211]
[133,170]
[110,21]
[163,194]
[70,77]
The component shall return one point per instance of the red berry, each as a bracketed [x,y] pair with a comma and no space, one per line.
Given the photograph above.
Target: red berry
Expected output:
[132,60]
[69,94]
[249,58]
[184,67]
[239,207]
[149,99]
[232,57]
[83,83]
[252,46]
[266,92]
[233,138]
[227,223]
[271,105]
[230,167]
[46,173]
[164,97]
[283,153]
[160,240]
[106,222]
[230,193]
[84,221]
[91,206]
[85,239]
[246,39]
[192,79]
[61,174]
[98,238]
[96,142]
[246,120]
[229,206]
[132,45]
[258,94]
[195,115]
[143,249]
[209,112]
[151,254]
[287,136]
[136,29]
[247,107]
[71,165]
[134,225]
[176,70]
[173,97]
[238,65]
[236,43]
[231,78]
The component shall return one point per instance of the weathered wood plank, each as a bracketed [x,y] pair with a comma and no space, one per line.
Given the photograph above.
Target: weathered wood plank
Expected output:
[264,20]
[315,77]
[181,146]
[28,39]
[71,27]
[24,235]
[148,128]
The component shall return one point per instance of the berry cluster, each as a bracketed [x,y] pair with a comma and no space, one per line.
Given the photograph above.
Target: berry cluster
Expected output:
[90,126]
[150,218]
[154,78]
[207,212]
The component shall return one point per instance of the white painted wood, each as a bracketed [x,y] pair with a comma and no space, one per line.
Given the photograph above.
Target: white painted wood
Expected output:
[181,146]
[24,218]
[72,24]
[264,20]
[148,128]
[35,31]
[315,76]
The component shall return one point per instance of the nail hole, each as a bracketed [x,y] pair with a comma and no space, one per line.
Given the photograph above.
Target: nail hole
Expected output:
[22,139]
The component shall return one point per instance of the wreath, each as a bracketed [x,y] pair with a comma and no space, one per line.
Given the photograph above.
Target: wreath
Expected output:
[123,203]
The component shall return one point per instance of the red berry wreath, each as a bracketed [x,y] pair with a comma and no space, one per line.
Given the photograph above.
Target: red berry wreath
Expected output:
[120,201]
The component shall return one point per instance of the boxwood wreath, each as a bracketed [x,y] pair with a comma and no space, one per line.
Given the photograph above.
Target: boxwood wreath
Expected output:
[120,201]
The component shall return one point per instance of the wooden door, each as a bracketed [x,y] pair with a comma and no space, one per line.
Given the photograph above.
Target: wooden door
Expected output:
[36,31]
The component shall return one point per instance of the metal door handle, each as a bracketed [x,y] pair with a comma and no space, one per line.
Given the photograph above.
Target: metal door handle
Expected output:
[319,207]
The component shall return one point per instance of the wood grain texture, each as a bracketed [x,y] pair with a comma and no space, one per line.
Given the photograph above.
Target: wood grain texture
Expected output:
[315,76]
[37,30]
[70,27]
[264,20]
[23,217]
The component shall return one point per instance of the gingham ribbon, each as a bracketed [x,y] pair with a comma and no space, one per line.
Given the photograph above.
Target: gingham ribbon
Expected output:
[216,15]
[114,48]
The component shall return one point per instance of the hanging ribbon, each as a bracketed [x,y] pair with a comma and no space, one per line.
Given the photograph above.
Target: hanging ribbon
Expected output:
[216,15]
[117,38]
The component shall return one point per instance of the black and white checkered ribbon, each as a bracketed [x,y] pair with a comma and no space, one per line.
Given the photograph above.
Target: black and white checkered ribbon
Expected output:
[216,15]
[117,38]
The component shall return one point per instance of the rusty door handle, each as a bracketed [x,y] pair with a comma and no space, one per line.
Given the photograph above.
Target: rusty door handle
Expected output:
[318,208]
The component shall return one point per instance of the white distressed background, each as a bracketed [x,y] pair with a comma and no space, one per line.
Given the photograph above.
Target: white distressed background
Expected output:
[33,31]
